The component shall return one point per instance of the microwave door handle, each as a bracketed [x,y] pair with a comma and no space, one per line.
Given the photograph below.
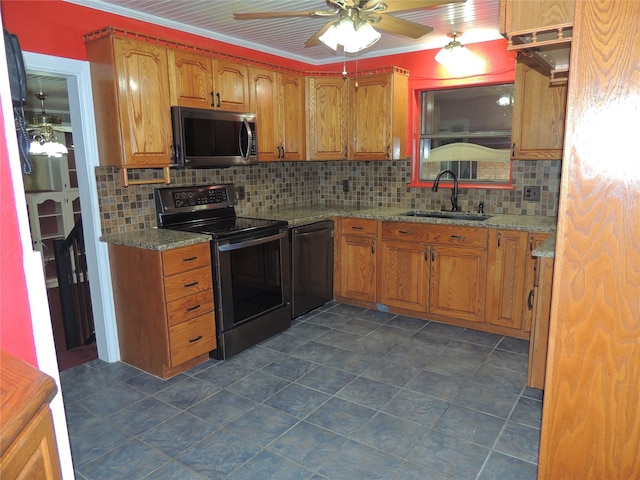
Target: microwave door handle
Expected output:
[247,127]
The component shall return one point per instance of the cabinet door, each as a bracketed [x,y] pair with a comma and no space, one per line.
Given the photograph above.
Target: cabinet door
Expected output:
[457,282]
[328,118]
[358,267]
[143,103]
[293,117]
[370,108]
[519,15]
[264,102]
[538,116]
[404,275]
[506,294]
[231,85]
[190,79]
[531,273]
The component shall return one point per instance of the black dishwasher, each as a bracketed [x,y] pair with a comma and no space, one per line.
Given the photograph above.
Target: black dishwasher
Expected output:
[311,266]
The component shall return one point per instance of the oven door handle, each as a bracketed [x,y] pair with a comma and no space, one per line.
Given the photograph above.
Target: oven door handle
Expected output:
[250,243]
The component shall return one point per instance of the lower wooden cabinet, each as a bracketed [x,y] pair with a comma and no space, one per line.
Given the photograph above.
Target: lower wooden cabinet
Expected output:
[457,282]
[355,259]
[468,276]
[164,307]
[506,293]
[27,443]
[540,322]
[404,275]
[434,269]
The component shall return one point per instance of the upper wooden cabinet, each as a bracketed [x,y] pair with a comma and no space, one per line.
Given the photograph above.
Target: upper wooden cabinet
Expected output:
[378,116]
[358,120]
[538,116]
[517,15]
[278,100]
[130,84]
[328,110]
[541,32]
[198,81]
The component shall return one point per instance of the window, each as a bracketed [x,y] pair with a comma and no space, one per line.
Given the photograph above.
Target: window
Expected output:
[467,130]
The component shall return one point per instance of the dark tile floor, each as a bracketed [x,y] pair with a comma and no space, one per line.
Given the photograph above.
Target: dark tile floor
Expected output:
[346,393]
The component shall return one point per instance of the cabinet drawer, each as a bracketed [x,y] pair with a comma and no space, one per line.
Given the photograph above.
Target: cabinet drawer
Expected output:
[179,260]
[189,339]
[359,226]
[439,234]
[189,307]
[187,283]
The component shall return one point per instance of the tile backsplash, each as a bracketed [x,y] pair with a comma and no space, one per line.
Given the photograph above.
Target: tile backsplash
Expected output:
[277,185]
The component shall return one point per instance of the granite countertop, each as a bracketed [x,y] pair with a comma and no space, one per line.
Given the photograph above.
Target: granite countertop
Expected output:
[302,215]
[161,239]
[547,248]
[156,239]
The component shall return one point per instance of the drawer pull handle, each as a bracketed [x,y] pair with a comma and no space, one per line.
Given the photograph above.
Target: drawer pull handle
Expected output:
[356,228]
[404,232]
[192,284]
[195,307]
[457,236]
[433,254]
[190,259]
[193,340]
[499,237]
[373,247]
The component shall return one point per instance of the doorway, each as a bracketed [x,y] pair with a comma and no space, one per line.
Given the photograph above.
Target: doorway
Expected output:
[77,75]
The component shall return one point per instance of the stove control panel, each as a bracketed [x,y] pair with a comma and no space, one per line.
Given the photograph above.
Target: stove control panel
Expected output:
[197,197]
[180,200]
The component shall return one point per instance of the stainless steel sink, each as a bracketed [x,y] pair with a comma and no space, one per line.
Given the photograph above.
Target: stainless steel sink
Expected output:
[477,217]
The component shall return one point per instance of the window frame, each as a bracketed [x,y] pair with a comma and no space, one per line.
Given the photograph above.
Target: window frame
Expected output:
[416,182]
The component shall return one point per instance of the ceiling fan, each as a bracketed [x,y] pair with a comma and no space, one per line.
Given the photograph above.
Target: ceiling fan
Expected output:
[358,15]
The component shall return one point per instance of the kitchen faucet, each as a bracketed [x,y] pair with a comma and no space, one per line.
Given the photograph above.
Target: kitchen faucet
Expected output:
[454,191]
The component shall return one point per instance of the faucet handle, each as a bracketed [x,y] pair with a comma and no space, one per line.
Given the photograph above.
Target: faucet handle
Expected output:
[481,207]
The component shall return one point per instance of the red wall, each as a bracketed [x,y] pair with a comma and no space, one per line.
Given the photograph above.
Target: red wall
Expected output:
[16,335]
[54,27]
[61,35]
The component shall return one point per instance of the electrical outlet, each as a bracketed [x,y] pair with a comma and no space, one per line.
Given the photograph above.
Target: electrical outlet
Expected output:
[531,194]
[345,186]
[241,193]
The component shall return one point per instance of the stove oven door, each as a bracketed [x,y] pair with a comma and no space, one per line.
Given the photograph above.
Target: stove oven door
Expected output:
[252,277]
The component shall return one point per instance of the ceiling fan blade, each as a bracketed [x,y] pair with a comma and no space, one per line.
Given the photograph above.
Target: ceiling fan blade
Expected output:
[266,15]
[405,5]
[314,41]
[399,26]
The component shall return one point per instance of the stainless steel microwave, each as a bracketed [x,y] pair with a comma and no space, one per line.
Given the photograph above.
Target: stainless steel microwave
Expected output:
[212,138]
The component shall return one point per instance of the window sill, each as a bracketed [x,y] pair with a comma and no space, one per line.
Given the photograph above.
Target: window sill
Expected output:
[463,185]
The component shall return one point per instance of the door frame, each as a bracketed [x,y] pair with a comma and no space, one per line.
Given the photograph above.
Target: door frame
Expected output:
[78,76]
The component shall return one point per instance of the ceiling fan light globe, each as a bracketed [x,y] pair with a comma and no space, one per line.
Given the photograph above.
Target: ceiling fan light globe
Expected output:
[50,149]
[352,38]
